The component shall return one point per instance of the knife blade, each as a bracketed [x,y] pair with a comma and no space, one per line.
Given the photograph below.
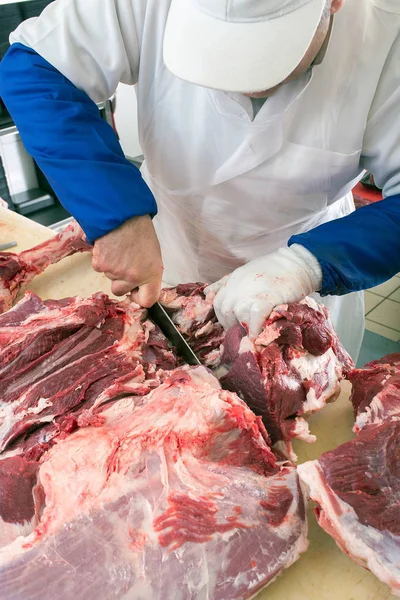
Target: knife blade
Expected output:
[161,318]
[7,246]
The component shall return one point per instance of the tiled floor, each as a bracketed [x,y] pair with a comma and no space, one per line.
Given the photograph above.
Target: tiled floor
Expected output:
[382,309]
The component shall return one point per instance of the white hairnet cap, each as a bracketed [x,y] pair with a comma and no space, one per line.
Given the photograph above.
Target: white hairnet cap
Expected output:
[239,45]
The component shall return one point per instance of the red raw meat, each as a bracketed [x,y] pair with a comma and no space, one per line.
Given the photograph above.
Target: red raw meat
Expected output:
[18,479]
[292,369]
[174,491]
[58,360]
[357,486]
[175,494]
[193,313]
[17,270]
[53,358]
[376,391]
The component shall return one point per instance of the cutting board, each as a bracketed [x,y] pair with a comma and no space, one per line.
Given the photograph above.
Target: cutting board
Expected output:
[73,276]
[323,572]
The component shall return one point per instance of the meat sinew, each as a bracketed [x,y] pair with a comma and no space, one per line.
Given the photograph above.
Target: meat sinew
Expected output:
[292,369]
[17,270]
[175,494]
[357,486]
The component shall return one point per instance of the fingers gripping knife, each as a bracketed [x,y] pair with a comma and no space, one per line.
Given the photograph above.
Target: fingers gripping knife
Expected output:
[161,318]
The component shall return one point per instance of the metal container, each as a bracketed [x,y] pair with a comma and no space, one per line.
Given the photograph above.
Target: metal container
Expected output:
[19,167]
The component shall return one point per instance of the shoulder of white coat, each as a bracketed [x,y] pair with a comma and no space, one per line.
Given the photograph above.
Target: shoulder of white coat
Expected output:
[390,6]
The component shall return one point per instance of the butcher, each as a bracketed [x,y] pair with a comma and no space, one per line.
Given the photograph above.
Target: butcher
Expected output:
[256,119]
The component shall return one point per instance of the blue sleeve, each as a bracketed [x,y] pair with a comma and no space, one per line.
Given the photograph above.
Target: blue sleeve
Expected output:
[76,149]
[359,251]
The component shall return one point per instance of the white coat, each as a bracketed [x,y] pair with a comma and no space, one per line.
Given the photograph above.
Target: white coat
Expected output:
[229,187]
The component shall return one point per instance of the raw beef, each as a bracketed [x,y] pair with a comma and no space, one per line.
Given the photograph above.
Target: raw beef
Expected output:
[58,359]
[292,369]
[57,356]
[19,269]
[175,494]
[193,313]
[376,391]
[357,486]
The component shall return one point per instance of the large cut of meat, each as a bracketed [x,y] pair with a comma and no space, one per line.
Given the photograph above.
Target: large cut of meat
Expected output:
[175,494]
[376,391]
[357,486]
[58,356]
[58,359]
[292,369]
[17,270]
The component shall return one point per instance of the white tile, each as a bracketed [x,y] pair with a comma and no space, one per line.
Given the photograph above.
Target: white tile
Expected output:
[371,301]
[387,313]
[386,332]
[387,288]
[396,295]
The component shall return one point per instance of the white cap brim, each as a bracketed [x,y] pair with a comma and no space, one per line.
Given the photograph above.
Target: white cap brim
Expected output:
[237,57]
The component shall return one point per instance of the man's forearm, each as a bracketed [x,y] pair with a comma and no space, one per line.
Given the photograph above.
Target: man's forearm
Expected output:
[359,251]
[76,149]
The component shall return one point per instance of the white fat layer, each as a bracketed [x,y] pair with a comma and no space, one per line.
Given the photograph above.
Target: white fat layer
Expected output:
[377,411]
[311,303]
[213,358]
[308,366]
[246,345]
[285,448]
[268,335]
[376,550]
[36,410]
[301,431]
[9,417]
[220,371]
[195,311]
[11,531]
[371,416]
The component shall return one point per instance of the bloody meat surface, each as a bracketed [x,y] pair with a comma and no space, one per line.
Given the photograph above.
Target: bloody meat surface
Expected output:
[112,452]
[292,369]
[175,494]
[57,356]
[357,486]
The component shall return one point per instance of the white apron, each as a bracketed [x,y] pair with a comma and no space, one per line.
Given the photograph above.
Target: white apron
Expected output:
[230,189]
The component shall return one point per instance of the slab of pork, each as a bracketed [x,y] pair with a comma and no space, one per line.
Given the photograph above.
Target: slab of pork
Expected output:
[175,494]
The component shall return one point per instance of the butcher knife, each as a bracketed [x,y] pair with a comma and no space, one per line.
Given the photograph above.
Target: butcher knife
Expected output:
[7,246]
[161,318]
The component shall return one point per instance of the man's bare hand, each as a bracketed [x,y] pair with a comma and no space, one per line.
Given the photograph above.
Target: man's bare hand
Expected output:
[131,257]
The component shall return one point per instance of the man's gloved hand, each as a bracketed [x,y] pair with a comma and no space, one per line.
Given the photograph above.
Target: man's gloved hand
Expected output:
[250,293]
[130,256]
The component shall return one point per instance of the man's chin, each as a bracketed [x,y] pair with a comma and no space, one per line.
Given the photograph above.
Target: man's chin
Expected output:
[265,94]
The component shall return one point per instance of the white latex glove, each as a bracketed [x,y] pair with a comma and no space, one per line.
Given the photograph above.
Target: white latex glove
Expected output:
[250,293]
